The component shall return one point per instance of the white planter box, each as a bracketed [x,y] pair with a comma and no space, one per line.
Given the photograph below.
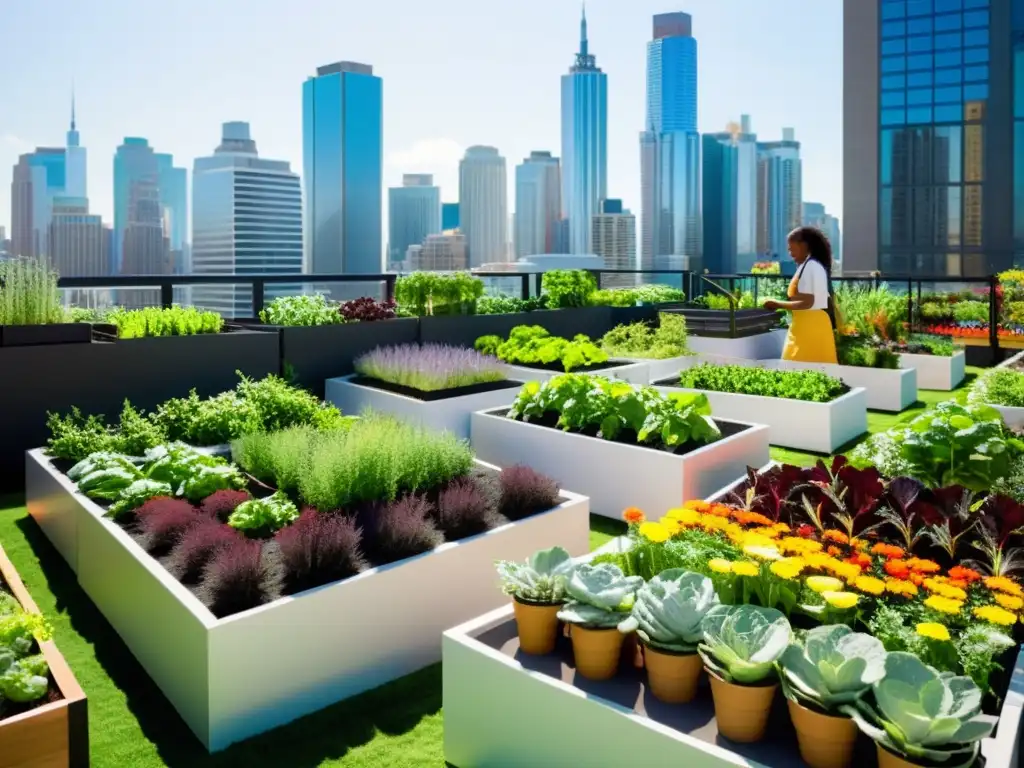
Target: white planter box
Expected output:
[447,415]
[233,678]
[635,372]
[937,372]
[1012,415]
[762,346]
[887,389]
[661,369]
[1011,361]
[547,721]
[806,426]
[617,475]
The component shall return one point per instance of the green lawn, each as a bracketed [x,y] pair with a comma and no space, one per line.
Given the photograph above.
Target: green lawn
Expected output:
[131,725]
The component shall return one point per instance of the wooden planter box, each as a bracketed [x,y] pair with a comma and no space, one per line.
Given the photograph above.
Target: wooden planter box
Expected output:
[54,735]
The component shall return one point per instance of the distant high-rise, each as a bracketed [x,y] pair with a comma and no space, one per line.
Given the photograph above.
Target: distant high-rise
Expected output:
[729,204]
[38,178]
[343,168]
[174,202]
[75,184]
[815,215]
[538,205]
[438,253]
[584,144]
[483,205]
[247,220]
[670,145]
[779,194]
[614,237]
[79,241]
[414,211]
[449,216]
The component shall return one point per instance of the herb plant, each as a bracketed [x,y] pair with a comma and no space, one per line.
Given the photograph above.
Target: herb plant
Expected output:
[999,386]
[666,340]
[429,368]
[500,305]
[301,310]
[533,345]
[809,386]
[173,321]
[433,293]
[29,293]
[654,293]
[566,288]
[367,310]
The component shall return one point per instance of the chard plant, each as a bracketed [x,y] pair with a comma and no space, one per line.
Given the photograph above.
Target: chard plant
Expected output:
[600,596]
[743,642]
[831,666]
[541,579]
[670,609]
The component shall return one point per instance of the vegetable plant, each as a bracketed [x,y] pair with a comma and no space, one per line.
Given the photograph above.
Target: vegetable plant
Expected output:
[533,345]
[654,293]
[742,642]
[831,665]
[433,293]
[600,596]
[367,310]
[541,579]
[809,386]
[999,386]
[156,321]
[666,340]
[23,671]
[302,310]
[670,609]
[500,305]
[29,293]
[261,517]
[920,714]
[430,367]
[568,287]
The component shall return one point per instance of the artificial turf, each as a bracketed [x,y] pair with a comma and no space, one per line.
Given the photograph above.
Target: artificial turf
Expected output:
[131,725]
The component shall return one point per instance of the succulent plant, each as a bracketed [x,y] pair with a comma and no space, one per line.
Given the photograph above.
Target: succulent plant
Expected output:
[670,609]
[832,666]
[541,579]
[600,596]
[923,714]
[742,642]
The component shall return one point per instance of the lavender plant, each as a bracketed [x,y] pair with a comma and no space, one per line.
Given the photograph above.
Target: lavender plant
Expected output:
[430,367]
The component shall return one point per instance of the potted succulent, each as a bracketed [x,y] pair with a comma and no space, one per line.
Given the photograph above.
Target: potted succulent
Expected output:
[537,588]
[667,616]
[922,717]
[740,648]
[600,598]
[833,666]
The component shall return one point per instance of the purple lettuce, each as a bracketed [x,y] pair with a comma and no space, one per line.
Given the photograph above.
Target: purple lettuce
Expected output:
[431,367]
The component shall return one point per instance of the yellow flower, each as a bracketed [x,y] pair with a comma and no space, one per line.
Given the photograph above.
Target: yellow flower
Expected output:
[845,571]
[900,587]
[1009,602]
[869,584]
[822,584]
[1004,584]
[655,532]
[762,552]
[718,565]
[796,546]
[859,544]
[943,604]
[685,517]
[995,615]
[841,600]
[768,533]
[745,568]
[755,539]
[711,523]
[946,590]
[790,568]
[933,631]
[817,560]
[782,528]
[672,526]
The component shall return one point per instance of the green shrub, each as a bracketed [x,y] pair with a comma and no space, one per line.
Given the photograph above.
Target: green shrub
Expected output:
[667,340]
[874,312]
[999,386]
[173,321]
[568,287]
[970,311]
[423,294]
[303,310]
[863,352]
[533,345]
[28,293]
[503,305]
[74,436]
[810,386]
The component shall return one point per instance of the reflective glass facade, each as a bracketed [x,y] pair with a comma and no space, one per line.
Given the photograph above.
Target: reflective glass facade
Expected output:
[150,211]
[729,204]
[342,127]
[414,212]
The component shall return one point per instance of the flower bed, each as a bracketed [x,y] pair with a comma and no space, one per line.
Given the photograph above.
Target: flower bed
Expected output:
[886,389]
[50,727]
[435,386]
[805,410]
[225,595]
[678,455]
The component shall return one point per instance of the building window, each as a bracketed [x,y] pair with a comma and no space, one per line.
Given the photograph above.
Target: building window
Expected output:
[948,95]
[918,44]
[975,37]
[893,117]
[976,19]
[894,82]
[948,76]
[948,114]
[1018,185]
[972,216]
[919,61]
[974,153]
[898,45]
[919,115]
[948,40]
[947,5]
[894,29]
[974,74]
[919,7]
[919,26]
[945,59]
[976,55]
[976,92]
[894,64]
[885,156]
[919,96]
[948,153]
[975,4]
[946,23]
[895,10]
[893,99]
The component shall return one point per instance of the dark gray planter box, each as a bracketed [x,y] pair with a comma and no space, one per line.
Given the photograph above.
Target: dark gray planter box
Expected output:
[53,333]
[626,315]
[464,330]
[98,377]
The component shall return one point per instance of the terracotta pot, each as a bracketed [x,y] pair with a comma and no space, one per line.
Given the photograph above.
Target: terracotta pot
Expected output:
[596,651]
[631,653]
[672,677]
[825,741]
[538,626]
[887,759]
[741,710]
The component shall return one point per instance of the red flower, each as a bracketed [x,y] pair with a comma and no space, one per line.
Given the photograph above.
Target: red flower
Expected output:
[805,531]
[959,573]
[633,516]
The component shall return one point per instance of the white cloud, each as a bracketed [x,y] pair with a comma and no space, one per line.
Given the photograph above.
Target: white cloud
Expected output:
[11,143]
[438,156]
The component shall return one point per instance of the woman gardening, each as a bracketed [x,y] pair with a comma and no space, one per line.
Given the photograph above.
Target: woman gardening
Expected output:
[811,337]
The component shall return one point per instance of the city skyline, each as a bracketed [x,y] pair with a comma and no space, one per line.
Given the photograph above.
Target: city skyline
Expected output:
[429,145]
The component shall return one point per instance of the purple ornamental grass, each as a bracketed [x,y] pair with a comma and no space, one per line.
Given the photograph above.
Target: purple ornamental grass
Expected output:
[402,529]
[220,504]
[318,549]
[163,520]
[463,510]
[525,492]
[234,578]
[198,545]
[430,367]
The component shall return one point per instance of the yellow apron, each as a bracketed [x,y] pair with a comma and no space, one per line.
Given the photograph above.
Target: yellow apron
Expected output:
[810,338]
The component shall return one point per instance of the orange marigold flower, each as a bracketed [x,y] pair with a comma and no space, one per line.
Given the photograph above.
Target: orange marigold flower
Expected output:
[959,573]
[781,528]
[835,551]
[916,578]
[720,510]
[836,537]
[923,566]
[897,569]
[697,505]
[900,587]
[743,517]
[859,558]
[888,551]
[633,516]
[1004,584]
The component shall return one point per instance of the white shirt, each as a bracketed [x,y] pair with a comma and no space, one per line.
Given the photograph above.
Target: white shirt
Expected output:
[814,282]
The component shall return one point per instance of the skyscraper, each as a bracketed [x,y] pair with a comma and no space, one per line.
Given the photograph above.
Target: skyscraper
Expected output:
[173,183]
[584,144]
[779,194]
[449,216]
[729,203]
[614,238]
[142,181]
[414,211]
[79,241]
[247,220]
[343,166]
[75,185]
[538,205]
[483,205]
[933,136]
[815,215]
[670,145]
[438,253]
[38,178]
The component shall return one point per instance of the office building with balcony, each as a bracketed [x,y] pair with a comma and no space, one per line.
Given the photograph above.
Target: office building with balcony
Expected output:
[614,237]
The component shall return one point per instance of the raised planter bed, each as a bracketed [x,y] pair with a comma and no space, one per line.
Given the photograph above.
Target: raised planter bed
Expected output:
[799,424]
[446,410]
[887,389]
[660,369]
[635,371]
[619,475]
[725,323]
[561,714]
[761,346]
[464,330]
[1012,361]
[937,371]
[53,735]
[54,333]
[233,678]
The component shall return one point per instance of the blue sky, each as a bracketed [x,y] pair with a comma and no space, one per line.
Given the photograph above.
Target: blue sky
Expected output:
[456,73]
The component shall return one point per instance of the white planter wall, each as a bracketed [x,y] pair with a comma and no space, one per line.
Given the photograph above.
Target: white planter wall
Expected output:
[817,427]
[236,677]
[662,369]
[635,372]
[762,346]
[935,371]
[616,475]
[1011,361]
[1013,416]
[448,415]
[887,389]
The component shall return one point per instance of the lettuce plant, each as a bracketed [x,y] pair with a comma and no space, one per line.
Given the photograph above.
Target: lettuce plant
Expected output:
[105,475]
[743,642]
[670,609]
[600,596]
[166,321]
[921,714]
[534,345]
[831,666]
[263,516]
[301,310]
[568,287]
[430,367]
[809,386]
[541,579]
[23,673]
[137,494]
